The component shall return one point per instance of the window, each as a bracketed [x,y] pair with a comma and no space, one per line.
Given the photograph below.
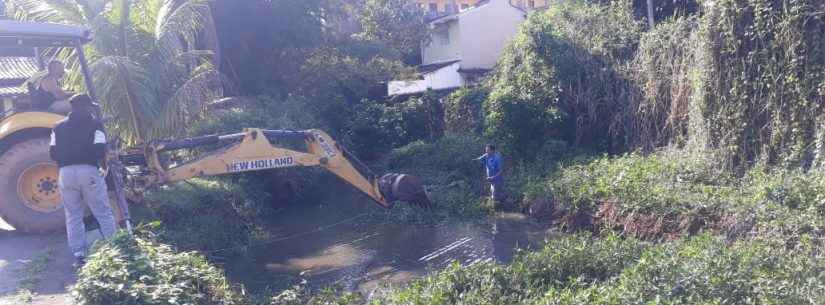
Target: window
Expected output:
[442,34]
[531,3]
[450,8]
[433,7]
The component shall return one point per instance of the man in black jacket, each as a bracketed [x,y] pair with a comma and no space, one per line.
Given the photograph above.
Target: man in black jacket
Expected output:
[78,145]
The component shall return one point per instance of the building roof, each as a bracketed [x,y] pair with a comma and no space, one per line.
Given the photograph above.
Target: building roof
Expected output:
[17,68]
[424,69]
[456,15]
[12,91]
[13,73]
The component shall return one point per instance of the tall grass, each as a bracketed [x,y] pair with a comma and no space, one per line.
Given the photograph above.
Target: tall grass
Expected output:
[743,81]
[579,270]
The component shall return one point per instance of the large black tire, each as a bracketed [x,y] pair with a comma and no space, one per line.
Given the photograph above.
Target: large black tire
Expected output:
[13,162]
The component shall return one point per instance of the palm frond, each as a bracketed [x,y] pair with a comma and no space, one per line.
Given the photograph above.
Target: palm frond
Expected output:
[93,8]
[119,80]
[55,11]
[189,101]
[177,31]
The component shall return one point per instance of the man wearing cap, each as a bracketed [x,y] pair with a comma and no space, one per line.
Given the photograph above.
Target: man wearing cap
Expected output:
[78,145]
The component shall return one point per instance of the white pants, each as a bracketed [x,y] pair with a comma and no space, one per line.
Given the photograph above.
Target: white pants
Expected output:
[82,186]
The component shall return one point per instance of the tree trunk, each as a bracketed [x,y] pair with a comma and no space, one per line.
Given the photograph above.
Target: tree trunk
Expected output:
[651,21]
[124,52]
[124,24]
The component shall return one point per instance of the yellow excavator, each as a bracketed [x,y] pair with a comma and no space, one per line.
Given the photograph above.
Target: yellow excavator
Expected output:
[29,197]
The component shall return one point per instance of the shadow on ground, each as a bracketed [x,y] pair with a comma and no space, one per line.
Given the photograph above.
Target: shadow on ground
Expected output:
[17,250]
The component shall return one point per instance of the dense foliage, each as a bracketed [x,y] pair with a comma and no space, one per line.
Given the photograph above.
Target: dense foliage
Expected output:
[743,81]
[136,271]
[703,139]
[560,78]
[579,270]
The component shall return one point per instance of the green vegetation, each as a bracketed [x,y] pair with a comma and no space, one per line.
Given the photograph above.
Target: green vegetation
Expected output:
[137,270]
[690,153]
[561,78]
[578,269]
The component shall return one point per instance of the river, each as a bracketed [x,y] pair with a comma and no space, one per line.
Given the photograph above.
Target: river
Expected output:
[341,243]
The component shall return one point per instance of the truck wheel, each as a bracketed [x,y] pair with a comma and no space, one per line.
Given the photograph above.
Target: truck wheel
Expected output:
[30,199]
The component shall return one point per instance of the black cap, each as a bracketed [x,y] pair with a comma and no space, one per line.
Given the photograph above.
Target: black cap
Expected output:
[81,99]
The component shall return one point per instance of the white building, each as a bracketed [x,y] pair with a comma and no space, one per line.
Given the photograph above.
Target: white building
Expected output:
[463,46]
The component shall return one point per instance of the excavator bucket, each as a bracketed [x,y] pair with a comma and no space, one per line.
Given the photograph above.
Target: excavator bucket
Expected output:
[405,188]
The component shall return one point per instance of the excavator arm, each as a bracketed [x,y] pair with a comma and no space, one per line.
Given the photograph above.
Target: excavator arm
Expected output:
[253,150]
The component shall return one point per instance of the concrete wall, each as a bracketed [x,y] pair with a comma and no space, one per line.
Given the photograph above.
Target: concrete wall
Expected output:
[483,41]
[439,50]
[444,78]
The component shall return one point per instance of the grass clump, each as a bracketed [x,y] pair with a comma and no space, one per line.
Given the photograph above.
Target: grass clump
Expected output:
[705,270]
[573,260]
[579,270]
[136,270]
[302,295]
[203,215]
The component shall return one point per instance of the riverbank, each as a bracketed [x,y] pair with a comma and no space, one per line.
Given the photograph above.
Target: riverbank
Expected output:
[660,206]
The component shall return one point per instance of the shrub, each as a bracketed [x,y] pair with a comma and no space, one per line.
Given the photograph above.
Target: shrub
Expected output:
[203,215]
[743,81]
[571,259]
[678,193]
[301,295]
[462,110]
[379,127]
[704,270]
[561,77]
[576,269]
[662,72]
[134,270]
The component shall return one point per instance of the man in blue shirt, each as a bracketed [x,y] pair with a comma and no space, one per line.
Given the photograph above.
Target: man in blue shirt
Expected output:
[492,162]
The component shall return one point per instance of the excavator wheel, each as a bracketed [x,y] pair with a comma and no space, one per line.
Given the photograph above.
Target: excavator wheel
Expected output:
[29,196]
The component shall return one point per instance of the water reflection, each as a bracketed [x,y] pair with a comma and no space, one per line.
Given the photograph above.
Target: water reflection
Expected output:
[363,254]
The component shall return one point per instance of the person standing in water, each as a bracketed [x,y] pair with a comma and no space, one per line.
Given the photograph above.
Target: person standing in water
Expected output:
[492,163]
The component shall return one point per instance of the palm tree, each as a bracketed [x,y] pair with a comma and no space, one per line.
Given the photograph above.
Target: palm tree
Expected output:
[152,61]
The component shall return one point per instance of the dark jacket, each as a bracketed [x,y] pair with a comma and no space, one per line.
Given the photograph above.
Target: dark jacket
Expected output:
[78,139]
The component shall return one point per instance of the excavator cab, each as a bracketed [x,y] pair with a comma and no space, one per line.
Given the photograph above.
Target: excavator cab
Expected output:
[24,49]
[29,198]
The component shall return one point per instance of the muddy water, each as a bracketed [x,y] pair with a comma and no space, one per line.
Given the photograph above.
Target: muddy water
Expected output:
[341,244]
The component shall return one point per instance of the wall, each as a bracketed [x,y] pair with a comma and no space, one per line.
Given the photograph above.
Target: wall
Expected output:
[483,41]
[436,51]
[444,78]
